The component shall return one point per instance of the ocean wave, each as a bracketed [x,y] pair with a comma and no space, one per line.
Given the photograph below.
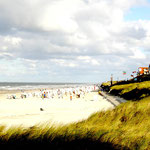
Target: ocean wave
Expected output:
[29,86]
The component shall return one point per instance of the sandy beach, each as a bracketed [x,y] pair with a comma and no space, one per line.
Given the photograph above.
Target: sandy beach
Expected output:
[34,110]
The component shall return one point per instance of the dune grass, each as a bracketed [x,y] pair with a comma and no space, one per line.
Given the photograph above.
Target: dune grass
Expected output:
[132,91]
[127,125]
[108,83]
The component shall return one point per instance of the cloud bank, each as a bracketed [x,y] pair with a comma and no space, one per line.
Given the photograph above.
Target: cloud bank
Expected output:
[71,41]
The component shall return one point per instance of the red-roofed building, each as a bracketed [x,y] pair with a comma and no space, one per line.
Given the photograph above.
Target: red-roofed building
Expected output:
[143,70]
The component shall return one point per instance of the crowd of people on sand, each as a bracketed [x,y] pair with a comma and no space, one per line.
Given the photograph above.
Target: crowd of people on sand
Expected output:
[60,93]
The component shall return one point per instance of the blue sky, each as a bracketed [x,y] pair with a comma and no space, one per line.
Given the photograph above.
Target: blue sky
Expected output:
[138,13]
[73,41]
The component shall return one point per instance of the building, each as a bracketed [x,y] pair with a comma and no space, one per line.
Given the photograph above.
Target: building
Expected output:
[143,70]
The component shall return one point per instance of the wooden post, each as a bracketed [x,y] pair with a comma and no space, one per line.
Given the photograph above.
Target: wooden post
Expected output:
[111,79]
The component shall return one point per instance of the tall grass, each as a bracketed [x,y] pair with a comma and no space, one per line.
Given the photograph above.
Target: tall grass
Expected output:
[133,91]
[127,125]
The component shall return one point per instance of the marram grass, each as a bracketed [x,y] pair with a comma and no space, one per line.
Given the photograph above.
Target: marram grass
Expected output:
[132,91]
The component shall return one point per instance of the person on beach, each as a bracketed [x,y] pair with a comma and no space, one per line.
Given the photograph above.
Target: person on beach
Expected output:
[59,93]
[13,96]
[52,95]
[66,93]
[42,96]
[22,95]
[71,96]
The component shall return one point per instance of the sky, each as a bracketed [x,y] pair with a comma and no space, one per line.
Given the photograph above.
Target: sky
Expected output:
[73,40]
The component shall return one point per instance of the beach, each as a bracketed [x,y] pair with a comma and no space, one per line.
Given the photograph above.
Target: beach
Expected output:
[55,109]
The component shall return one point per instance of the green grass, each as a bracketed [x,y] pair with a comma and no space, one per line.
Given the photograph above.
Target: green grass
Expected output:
[139,85]
[127,125]
[133,91]
[108,83]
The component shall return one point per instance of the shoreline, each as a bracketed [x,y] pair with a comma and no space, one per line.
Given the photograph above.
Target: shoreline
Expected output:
[18,92]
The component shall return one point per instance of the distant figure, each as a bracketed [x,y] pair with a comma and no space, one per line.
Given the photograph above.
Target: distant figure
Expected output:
[13,96]
[66,93]
[22,96]
[44,95]
[71,97]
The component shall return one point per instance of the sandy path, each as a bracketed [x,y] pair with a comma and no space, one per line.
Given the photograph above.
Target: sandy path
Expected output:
[27,112]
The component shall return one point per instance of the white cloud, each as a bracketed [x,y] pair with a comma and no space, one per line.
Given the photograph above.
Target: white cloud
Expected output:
[84,58]
[4,47]
[13,40]
[59,16]
[89,60]
[95,62]
[64,63]
[71,35]
[137,54]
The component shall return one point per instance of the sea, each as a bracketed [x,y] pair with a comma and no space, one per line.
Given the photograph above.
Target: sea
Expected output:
[33,85]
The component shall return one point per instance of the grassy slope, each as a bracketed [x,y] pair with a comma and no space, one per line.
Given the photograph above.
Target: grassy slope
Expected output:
[126,126]
[133,91]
